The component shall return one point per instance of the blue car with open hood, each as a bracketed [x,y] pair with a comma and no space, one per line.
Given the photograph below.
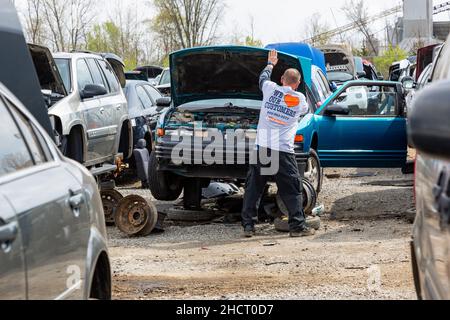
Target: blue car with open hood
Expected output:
[216,89]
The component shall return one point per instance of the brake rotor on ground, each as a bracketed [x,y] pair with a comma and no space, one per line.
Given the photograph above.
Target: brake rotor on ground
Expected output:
[309,196]
[136,216]
[110,200]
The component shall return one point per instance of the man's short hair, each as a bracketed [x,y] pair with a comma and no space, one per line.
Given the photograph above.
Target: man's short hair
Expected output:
[292,76]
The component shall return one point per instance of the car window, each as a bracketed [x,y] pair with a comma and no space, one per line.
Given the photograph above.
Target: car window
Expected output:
[96,73]
[64,70]
[33,142]
[144,97]
[369,101]
[423,79]
[326,84]
[83,74]
[165,78]
[14,153]
[322,87]
[113,83]
[154,94]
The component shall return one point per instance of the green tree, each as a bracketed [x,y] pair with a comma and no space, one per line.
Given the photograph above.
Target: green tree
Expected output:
[384,62]
[107,37]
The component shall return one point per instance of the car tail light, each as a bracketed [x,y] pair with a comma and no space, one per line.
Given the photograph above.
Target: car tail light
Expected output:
[299,138]
[161,132]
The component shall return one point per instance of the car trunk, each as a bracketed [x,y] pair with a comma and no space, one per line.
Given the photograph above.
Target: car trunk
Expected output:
[338,58]
[118,66]
[223,73]
[425,56]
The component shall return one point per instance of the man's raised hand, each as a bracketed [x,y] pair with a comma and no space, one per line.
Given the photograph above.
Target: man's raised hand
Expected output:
[273,57]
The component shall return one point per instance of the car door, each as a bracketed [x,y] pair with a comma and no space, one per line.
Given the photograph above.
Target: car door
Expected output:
[372,135]
[52,216]
[14,156]
[93,116]
[109,107]
[114,103]
[12,260]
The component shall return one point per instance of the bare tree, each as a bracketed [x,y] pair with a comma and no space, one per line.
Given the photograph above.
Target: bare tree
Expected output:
[186,23]
[34,23]
[316,31]
[357,12]
[67,22]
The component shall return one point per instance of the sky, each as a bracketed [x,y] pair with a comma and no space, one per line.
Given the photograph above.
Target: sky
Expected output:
[274,20]
[284,20]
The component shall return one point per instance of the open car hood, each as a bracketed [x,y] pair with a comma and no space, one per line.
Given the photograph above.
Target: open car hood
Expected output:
[339,58]
[47,71]
[229,72]
[17,70]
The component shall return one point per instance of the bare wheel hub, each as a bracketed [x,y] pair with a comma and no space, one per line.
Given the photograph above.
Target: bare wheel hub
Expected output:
[110,200]
[136,216]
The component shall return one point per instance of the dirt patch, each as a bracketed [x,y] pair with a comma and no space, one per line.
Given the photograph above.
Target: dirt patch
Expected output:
[361,251]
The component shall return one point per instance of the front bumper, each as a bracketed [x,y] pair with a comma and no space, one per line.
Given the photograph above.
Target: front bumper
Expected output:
[233,163]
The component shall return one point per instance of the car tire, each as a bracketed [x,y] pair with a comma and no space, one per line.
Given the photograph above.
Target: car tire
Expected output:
[314,171]
[164,186]
[72,146]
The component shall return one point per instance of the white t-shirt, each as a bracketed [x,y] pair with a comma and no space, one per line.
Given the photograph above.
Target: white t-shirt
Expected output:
[281,110]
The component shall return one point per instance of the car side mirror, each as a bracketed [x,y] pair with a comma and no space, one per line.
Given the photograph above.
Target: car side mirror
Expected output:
[93,90]
[337,110]
[408,83]
[429,129]
[164,102]
[333,86]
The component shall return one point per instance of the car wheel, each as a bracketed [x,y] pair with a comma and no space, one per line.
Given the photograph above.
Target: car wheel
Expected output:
[314,171]
[164,186]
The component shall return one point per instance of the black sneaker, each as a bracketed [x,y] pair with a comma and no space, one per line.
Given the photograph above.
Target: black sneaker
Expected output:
[249,232]
[306,232]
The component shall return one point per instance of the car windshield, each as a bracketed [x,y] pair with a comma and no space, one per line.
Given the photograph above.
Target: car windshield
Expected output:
[165,78]
[219,103]
[64,70]
[339,76]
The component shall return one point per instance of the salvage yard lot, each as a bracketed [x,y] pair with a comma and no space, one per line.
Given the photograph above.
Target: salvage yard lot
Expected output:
[365,233]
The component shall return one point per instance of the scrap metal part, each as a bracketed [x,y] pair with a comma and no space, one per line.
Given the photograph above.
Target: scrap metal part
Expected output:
[218,189]
[110,200]
[309,195]
[136,216]
[282,224]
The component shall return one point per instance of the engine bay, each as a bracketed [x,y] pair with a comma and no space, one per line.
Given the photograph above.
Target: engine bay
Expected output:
[220,121]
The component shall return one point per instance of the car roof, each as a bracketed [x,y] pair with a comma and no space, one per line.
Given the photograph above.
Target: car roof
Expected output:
[136,82]
[75,55]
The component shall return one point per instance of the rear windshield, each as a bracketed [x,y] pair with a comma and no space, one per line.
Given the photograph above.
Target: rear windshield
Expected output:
[64,70]
[339,76]
[165,78]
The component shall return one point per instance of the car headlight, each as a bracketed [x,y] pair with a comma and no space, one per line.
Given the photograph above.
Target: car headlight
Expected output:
[179,133]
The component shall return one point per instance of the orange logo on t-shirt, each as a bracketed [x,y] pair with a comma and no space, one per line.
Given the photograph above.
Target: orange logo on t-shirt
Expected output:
[291,101]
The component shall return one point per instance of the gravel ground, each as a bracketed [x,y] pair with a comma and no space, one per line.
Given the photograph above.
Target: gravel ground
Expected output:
[361,251]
